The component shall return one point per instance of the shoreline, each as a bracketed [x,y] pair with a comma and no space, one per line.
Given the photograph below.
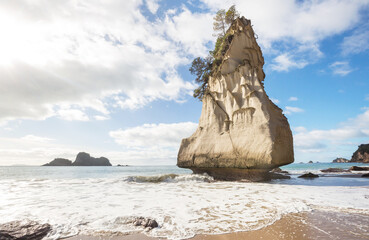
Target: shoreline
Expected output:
[316,224]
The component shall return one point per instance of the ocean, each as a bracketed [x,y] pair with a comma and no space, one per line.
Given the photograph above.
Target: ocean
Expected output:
[95,200]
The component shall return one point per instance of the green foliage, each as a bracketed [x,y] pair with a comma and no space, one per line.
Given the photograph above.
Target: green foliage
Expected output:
[204,68]
[231,15]
[219,25]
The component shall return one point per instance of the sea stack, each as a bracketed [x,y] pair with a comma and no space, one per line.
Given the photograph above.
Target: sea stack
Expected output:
[242,134]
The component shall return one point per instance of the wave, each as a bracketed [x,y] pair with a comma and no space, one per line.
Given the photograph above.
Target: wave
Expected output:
[170,178]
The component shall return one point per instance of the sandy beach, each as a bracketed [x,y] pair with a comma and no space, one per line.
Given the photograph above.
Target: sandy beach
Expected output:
[301,226]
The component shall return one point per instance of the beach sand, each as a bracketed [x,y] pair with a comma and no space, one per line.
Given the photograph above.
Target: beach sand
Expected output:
[301,226]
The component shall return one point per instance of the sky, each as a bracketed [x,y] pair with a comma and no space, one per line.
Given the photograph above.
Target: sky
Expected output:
[111,77]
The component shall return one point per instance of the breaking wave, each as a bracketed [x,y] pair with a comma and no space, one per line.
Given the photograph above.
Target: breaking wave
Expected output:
[170,178]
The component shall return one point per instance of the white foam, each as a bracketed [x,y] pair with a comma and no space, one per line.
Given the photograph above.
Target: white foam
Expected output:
[183,205]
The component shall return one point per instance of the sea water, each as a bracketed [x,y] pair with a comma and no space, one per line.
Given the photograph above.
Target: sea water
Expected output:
[96,200]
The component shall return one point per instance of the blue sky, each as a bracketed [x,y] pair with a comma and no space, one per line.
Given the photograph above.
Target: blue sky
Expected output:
[111,78]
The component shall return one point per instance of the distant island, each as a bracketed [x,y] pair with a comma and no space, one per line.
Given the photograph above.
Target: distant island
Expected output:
[360,155]
[82,159]
[340,160]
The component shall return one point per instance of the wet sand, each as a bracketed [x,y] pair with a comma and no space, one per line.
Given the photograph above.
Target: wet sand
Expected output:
[301,226]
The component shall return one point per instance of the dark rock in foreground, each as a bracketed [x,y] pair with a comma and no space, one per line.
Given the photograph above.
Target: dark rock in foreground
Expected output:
[82,159]
[26,230]
[59,162]
[278,176]
[340,160]
[361,154]
[365,175]
[329,170]
[356,168]
[309,175]
[145,222]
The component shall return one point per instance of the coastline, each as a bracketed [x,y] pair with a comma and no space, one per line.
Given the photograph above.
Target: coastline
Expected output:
[316,224]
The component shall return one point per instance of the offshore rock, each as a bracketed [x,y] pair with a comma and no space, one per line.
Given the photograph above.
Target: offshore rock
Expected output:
[59,162]
[340,160]
[25,229]
[361,154]
[84,159]
[242,134]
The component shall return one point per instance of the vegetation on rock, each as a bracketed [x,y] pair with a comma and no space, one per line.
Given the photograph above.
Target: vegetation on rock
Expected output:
[203,68]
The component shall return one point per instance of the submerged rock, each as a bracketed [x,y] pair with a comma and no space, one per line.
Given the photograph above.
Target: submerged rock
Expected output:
[242,134]
[309,175]
[361,154]
[145,222]
[59,162]
[25,229]
[329,170]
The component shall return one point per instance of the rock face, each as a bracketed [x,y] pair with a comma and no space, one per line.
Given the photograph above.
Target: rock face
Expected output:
[84,159]
[30,230]
[361,154]
[340,160]
[308,175]
[356,168]
[242,134]
[59,162]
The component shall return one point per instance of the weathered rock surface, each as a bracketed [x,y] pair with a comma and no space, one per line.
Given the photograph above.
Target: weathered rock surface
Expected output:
[356,168]
[340,160]
[25,229]
[242,134]
[334,170]
[59,162]
[361,154]
[82,159]
[309,175]
[145,222]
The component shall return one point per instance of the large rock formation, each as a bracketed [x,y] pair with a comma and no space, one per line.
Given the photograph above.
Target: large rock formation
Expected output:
[24,229]
[242,134]
[82,159]
[361,154]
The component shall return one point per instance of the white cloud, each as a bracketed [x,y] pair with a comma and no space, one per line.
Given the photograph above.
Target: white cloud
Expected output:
[276,101]
[341,68]
[101,118]
[316,140]
[72,115]
[357,42]
[289,110]
[293,99]
[154,135]
[284,63]
[93,55]
[153,5]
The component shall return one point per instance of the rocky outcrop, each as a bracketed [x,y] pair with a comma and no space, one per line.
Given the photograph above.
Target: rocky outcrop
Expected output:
[356,168]
[308,175]
[145,222]
[242,134]
[82,159]
[361,154]
[334,170]
[25,229]
[340,160]
[59,162]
